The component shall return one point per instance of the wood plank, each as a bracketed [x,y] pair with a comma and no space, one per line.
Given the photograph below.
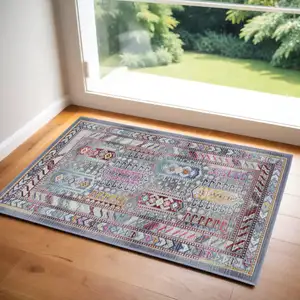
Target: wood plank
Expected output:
[290,206]
[295,168]
[287,229]
[293,185]
[8,259]
[280,277]
[12,295]
[21,235]
[45,278]
[162,277]
[282,259]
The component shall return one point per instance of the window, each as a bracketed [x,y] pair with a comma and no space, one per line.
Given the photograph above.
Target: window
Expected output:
[250,50]
[230,64]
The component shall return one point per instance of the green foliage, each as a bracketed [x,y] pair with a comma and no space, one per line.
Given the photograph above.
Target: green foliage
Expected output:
[280,27]
[200,19]
[159,21]
[228,45]
[150,59]
[189,40]
[127,19]
[106,15]
[157,18]
[173,44]
[136,27]
[238,16]
[160,57]
[163,57]
[132,61]
[261,27]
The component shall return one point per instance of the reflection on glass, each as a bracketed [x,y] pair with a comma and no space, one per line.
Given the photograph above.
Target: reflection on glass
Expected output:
[250,50]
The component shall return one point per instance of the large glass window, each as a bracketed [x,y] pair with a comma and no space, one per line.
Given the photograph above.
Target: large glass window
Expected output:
[252,50]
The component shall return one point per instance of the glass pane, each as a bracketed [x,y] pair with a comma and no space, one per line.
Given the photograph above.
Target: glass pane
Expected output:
[257,51]
[274,3]
[270,3]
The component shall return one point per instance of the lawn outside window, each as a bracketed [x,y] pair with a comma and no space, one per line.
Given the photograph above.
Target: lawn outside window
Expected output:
[206,57]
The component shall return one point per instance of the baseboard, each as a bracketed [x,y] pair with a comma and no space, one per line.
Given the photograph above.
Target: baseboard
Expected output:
[21,135]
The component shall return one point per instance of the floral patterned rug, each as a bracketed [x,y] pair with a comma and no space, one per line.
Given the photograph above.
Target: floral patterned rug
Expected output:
[199,203]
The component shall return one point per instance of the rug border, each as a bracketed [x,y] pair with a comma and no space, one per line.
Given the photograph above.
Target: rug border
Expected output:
[251,280]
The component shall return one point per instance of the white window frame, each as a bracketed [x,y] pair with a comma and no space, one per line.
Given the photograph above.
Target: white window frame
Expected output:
[85,89]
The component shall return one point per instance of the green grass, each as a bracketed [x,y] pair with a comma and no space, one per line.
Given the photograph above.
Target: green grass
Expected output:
[242,73]
[107,64]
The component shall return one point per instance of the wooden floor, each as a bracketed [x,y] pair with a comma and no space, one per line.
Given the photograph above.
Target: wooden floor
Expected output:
[40,263]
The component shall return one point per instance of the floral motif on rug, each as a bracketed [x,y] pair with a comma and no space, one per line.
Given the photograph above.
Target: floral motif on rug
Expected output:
[199,203]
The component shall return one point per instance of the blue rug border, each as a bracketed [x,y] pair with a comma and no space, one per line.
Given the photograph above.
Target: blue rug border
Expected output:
[251,280]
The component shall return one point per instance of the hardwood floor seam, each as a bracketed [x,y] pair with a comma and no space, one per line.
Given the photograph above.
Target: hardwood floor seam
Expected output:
[287,215]
[283,241]
[68,261]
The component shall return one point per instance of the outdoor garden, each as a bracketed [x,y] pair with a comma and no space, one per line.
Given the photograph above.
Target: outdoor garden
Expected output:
[250,50]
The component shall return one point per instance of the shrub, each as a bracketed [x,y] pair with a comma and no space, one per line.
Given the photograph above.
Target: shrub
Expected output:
[173,44]
[132,61]
[163,57]
[292,62]
[228,45]
[150,59]
[189,40]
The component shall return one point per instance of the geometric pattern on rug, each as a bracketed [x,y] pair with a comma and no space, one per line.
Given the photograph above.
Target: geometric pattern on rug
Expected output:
[200,203]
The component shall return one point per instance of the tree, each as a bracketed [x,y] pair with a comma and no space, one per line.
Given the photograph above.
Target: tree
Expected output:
[198,20]
[281,27]
[136,18]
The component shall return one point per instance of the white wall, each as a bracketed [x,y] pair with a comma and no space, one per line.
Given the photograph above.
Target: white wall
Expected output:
[30,75]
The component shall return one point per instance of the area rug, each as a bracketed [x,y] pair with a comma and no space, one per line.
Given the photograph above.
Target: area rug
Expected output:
[199,203]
